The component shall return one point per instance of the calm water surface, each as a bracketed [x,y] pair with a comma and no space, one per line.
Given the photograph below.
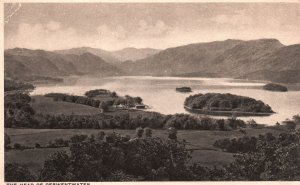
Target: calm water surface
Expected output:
[160,94]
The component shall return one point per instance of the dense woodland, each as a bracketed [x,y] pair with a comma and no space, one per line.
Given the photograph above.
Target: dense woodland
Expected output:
[226,102]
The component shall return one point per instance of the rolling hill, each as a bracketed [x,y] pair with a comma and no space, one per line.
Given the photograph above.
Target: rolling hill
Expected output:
[20,62]
[105,55]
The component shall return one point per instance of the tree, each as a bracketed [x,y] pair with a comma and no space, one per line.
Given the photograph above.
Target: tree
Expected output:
[148,132]
[172,133]
[17,173]
[139,132]
[57,168]
[103,105]
[290,125]
[252,123]
[37,145]
[114,94]
[296,119]
[138,100]
[17,146]
[274,159]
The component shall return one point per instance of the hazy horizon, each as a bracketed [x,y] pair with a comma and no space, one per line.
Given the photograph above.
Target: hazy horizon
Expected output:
[114,26]
[144,47]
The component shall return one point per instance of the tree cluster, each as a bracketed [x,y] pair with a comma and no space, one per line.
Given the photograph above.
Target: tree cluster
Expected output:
[76,99]
[117,157]
[275,158]
[236,145]
[13,85]
[275,87]
[97,92]
[89,101]
[17,111]
[226,102]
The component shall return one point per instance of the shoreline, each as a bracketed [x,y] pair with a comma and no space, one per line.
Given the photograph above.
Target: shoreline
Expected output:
[226,113]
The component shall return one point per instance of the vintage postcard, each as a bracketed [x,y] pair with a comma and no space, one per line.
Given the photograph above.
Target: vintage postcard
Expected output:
[150,91]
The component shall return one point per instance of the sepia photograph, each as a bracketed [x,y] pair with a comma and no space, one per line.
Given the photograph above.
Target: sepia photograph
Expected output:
[151,91]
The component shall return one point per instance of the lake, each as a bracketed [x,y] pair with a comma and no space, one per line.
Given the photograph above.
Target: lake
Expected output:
[160,94]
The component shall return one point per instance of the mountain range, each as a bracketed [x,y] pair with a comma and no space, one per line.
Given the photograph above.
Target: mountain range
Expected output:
[113,57]
[263,59]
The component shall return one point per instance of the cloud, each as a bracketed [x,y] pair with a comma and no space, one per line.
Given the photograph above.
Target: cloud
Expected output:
[237,19]
[106,32]
[54,35]
[156,30]
[38,36]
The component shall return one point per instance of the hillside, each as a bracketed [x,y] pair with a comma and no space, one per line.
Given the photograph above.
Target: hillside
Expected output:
[113,57]
[229,58]
[179,60]
[287,76]
[21,62]
[134,53]
[105,55]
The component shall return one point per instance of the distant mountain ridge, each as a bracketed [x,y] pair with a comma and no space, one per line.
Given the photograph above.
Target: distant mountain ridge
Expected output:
[113,57]
[229,58]
[21,62]
[263,59]
[134,53]
[105,55]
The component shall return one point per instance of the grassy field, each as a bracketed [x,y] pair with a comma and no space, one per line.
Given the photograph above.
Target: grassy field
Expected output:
[46,105]
[200,141]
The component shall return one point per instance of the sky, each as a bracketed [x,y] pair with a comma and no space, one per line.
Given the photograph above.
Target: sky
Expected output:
[113,26]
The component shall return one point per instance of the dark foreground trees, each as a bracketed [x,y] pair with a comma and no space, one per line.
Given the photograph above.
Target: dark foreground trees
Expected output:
[152,159]
[17,173]
[275,158]
[117,157]
[114,157]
